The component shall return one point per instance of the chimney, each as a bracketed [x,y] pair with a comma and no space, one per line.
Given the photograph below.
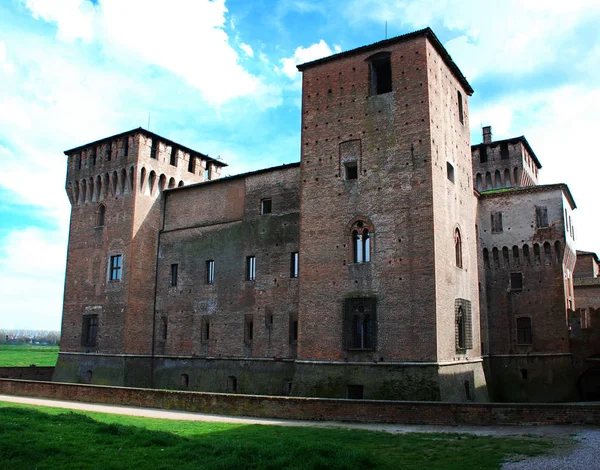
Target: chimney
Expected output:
[487,134]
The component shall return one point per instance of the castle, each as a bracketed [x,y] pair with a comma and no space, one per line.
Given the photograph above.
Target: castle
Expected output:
[395,261]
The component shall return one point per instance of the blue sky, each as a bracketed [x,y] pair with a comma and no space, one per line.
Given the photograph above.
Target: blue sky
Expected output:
[220,77]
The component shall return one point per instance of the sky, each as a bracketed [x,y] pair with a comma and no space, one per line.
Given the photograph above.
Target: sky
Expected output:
[220,77]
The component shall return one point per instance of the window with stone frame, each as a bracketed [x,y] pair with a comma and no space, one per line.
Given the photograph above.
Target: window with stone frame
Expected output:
[90,330]
[458,249]
[361,232]
[360,323]
[463,325]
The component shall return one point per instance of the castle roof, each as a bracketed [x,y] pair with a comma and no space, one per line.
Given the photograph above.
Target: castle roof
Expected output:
[512,140]
[530,189]
[152,135]
[427,33]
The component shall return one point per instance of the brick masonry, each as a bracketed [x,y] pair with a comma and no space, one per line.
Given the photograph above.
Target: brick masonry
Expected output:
[318,409]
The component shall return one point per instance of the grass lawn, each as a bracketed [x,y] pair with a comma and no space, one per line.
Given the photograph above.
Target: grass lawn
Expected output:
[23,355]
[39,437]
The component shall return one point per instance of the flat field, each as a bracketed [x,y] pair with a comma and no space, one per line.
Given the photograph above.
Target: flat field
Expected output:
[23,355]
[39,437]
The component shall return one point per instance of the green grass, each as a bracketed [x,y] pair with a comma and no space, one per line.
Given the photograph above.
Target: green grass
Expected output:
[23,355]
[39,437]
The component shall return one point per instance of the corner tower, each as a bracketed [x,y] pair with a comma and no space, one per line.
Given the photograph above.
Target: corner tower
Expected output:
[387,226]
[115,188]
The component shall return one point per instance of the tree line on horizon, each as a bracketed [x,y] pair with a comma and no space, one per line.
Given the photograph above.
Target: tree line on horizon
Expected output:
[23,336]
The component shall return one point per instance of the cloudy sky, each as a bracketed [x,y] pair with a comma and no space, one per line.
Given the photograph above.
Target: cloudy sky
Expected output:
[219,76]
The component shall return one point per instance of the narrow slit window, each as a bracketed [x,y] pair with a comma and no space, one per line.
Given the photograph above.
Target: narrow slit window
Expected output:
[458,249]
[250,268]
[174,269]
[153,149]
[173,158]
[210,271]
[125,146]
[294,264]
[461,116]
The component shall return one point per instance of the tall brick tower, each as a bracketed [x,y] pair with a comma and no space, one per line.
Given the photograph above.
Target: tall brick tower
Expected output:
[115,188]
[389,303]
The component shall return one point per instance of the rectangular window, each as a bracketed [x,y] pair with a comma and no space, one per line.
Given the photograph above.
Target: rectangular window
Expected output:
[251,268]
[483,154]
[461,116]
[294,264]
[450,171]
[90,330]
[524,335]
[541,216]
[516,281]
[248,328]
[355,392]
[205,337]
[210,271]
[350,170]
[109,152]
[93,156]
[154,149]
[293,331]
[360,323]
[381,75]
[115,268]
[174,268]
[164,326]
[266,206]
[125,146]
[504,154]
[173,159]
[192,164]
[497,222]
[208,172]
[463,325]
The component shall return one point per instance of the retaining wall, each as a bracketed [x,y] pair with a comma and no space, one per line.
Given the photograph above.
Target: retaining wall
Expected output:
[365,411]
[27,373]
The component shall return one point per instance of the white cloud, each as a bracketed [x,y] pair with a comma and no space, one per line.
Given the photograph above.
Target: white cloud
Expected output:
[305,54]
[185,37]
[247,49]
[74,18]
[32,263]
[511,36]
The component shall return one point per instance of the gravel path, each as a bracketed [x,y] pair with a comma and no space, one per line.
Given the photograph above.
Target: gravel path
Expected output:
[584,456]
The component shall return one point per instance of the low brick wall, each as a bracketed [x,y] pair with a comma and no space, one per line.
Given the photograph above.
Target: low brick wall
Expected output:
[27,373]
[364,411]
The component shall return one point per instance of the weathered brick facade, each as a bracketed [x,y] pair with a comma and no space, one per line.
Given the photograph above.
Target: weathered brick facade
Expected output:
[358,272]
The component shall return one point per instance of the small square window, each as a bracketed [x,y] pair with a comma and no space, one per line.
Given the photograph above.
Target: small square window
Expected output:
[266,206]
[251,268]
[115,268]
[450,171]
[351,170]
[355,392]
[516,281]
[210,272]
[294,264]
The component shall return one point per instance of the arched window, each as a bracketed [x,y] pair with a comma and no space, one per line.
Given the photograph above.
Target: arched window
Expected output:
[516,261]
[497,180]
[486,258]
[100,213]
[458,248]
[558,251]
[505,258]
[507,178]
[488,181]
[479,182]
[361,242]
